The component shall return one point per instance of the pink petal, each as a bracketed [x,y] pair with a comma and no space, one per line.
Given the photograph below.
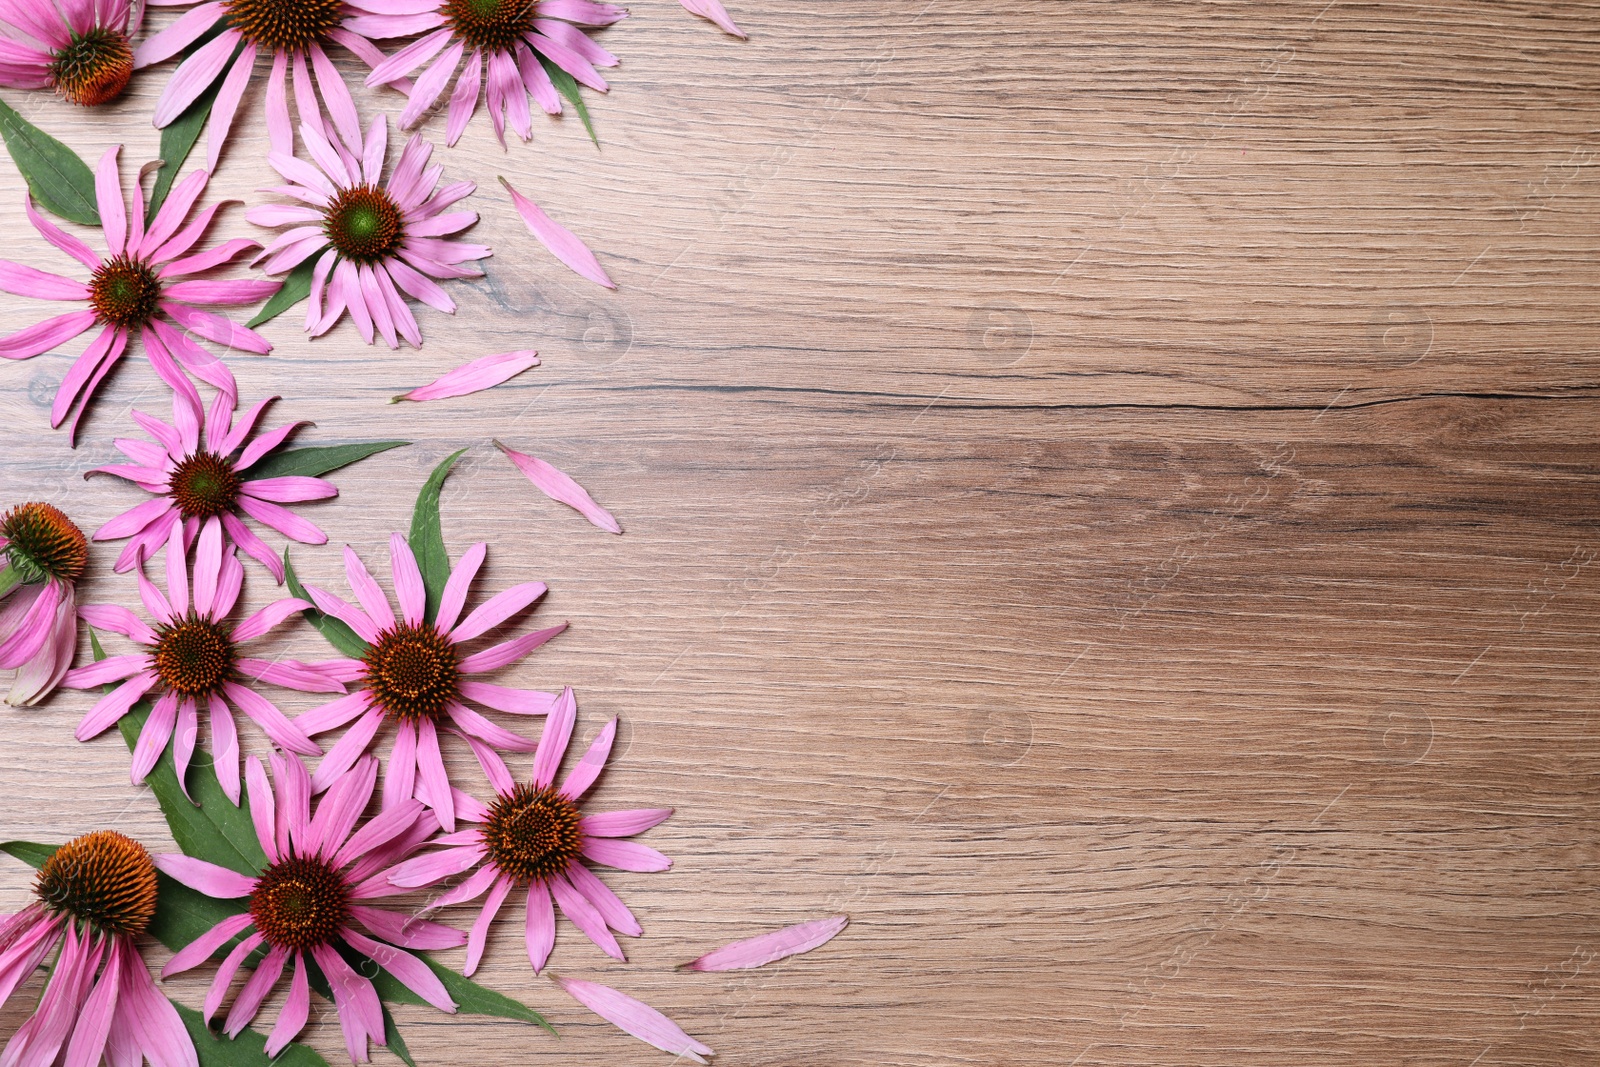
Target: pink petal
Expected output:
[381,830]
[553,742]
[635,1018]
[540,927]
[464,100]
[582,914]
[616,914]
[224,747]
[59,237]
[191,79]
[432,777]
[437,866]
[474,377]
[368,593]
[216,328]
[625,855]
[514,701]
[341,806]
[559,240]
[42,337]
[474,886]
[114,705]
[272,721]
[559,487]
[291,674]
[474,725]
[588,769]
[497,610]
[713,10]
[108,195]
[296,1008]
[408,585]
[407,931]
[623,823]
[455,590]
[349,748]
[408,58]
[766,948]
[205,877]
[411,971]
[268,618]
[255,990]
[26,281]
[226,105]
[335,714]
[201,948]
[108,670]
[480,927]
[188,28]
[283,520]
[509,652]
[213,257]
[212,292]
[360,1014]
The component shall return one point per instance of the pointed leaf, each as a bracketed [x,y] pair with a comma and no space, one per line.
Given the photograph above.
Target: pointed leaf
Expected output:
[177,141]
[427,535]
[28,852]
[336,631]
[567,86]
[59,181]
[296,287]
[392,1039]
[318,460]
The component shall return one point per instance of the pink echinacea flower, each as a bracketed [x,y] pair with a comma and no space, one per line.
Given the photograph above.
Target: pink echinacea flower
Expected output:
[532,837]
[376,242]
[209,484]
[502,41]
[313,896]
[143,281]
[193,658]
[45,554]
[96,894]
[414,671]
[81,50]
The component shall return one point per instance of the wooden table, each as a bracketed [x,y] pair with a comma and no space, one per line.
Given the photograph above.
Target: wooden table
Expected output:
[1110,494]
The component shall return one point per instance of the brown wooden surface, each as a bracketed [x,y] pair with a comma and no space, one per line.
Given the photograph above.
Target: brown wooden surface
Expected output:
[1111,500]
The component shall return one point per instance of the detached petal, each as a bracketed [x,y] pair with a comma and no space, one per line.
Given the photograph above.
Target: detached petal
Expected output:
[560,487]
[562,242]
[635,1018]
[474,377]
[766,948]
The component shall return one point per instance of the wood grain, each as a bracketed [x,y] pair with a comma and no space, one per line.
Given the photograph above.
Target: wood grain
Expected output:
[1110,494]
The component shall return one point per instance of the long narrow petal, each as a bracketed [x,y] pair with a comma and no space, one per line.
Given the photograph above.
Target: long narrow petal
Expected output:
[553,742]
[766,948]
[508,652]
[248,1002]
[368,593]
[224,747]
[360,1014]
[114,705]
[405,930]
[474,377]
[456,589]
[349,748]
[539,931]
[616,913]
[623,823]
[713,10]
[560,487]
[276,725]
[42,337]
[408,587]
[263,809]
[479,936]
[588,769]
[497,609]
[296,1008]
[562,242]
[268,618]
[108,197]
[205,877]
[514,701]
[27,281]
[432,777]
[625,855]
[635,1018]
[201,948]
[582,914]
[291,674]
[411,971]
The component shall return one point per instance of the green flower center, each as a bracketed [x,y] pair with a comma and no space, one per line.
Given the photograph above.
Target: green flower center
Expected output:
[124,291]
[203,485]
[364,224]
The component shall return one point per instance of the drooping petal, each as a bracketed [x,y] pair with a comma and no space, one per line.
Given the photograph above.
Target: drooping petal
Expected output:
[248,1002]
[479,935]
[562,242]
[368,593]
[713,10]
[635,1018]
[296,1008]
[560,487]
[201,948]
[411,971]
[114,705]
[616,914]
[474,377]
[360,1014]
[582,914]
[266,715]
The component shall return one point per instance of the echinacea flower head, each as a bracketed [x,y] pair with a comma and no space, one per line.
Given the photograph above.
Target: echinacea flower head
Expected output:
[312,898]
[45,554]
[143,285]
[80,50]
[415,672]
[193,659]
[533,837]
[294,33]
[376,241]
[200,470]
[95,895]
[502,41]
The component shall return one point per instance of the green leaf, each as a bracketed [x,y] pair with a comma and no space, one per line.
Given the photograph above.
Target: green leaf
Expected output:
[337,632]
[28,852]
[246,1050]
[392,1039]
[567,86]
[319,459]
[210,827]
[427,536]
[296,287]
[177,141]
[60,182]
[10,578]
